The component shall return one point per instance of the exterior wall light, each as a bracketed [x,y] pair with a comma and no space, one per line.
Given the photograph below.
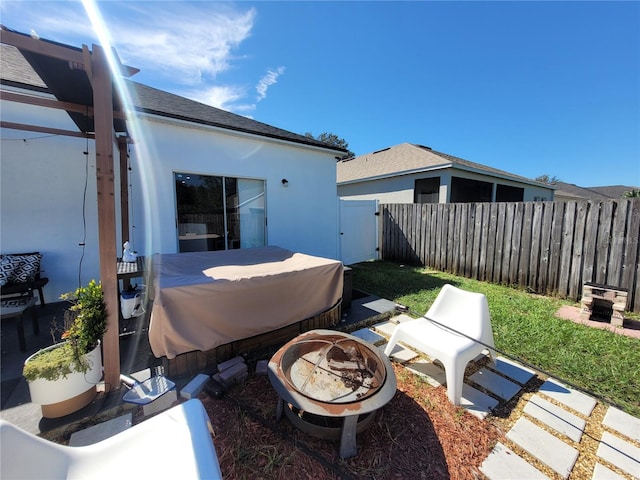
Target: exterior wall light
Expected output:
[285,182]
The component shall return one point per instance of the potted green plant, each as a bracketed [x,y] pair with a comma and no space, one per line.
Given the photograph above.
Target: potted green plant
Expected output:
[62,378]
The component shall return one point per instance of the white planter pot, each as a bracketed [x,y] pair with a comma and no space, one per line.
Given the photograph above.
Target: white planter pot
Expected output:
[66,395]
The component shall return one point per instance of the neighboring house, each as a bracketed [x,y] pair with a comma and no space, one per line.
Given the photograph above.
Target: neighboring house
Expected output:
[198,178]
[567,191]
[409,173]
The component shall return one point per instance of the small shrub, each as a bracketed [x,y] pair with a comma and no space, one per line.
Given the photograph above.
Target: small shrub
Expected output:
[54,364]
[85,323]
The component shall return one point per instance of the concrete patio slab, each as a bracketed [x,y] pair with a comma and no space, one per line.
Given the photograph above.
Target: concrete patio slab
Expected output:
[99,432]
[495,383]
[574,399]
[503,464]
[550,450]
[514,371]
[623,423]
[620,453]
[555,417]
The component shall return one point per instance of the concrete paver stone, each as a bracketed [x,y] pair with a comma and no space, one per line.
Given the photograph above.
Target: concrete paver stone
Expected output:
[403,317]
[434,374]
[514,371]
[379,305]
[400,354]
[620,453]
[503,464]
[600,472]
[99,432]
[546,447]
[388,326]
[574,399]
[622,422]
[555,417]
[476,402]
[195,386]
[385,328]
[368,335]
[495,383]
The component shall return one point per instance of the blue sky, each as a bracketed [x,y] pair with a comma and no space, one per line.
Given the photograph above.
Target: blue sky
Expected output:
[529,87]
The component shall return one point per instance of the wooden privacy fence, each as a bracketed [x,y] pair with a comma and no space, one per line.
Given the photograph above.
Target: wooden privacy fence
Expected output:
[551,248]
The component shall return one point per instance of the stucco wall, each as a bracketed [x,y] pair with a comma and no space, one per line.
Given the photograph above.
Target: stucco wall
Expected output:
[42,184]
[301,217]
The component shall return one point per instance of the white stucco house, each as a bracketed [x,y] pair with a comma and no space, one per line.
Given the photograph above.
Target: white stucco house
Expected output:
[410,173]
[199,178]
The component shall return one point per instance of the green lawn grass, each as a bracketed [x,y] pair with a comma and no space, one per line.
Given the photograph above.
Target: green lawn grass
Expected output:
[524,326]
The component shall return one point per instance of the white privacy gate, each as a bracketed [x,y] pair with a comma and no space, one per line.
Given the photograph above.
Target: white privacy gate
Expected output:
[358,231]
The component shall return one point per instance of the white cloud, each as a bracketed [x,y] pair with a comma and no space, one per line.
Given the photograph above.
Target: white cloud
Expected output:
[220,96]
[181,47]
[186,42]
[269,79]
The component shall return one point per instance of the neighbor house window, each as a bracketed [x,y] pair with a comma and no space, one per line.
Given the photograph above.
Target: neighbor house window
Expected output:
[465,190]
[507,193]
[219,213]
[427,190]
[539,199]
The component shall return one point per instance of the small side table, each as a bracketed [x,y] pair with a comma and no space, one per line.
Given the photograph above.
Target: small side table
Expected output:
[15,308]
[128,270]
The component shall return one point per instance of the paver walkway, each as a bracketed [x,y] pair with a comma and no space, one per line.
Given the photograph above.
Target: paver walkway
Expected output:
[551,426]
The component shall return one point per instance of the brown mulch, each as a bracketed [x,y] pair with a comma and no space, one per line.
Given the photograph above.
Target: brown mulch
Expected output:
[418,434]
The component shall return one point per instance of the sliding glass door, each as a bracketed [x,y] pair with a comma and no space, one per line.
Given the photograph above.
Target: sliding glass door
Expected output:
[219,213]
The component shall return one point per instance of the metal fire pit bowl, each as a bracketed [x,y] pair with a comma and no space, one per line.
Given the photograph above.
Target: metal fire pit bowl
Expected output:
[332,374]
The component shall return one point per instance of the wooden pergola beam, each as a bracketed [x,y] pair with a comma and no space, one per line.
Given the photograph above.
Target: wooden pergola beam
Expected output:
[45,102]
[48,49]
[61,52]
[124,188]
[52,131]
[103,108]
[51,103]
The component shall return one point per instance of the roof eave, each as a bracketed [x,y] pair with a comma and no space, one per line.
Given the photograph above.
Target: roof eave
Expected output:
[243,131]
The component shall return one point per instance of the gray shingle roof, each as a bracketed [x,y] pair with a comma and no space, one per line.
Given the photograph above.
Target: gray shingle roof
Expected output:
[569,190]
[152,100]
[16,71]
[613,191]
[410,158]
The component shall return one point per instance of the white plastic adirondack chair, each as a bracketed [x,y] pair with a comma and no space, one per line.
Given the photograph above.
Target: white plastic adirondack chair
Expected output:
[174,444]
[463,311]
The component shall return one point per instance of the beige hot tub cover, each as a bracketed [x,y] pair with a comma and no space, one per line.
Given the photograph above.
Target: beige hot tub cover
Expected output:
[202,300]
